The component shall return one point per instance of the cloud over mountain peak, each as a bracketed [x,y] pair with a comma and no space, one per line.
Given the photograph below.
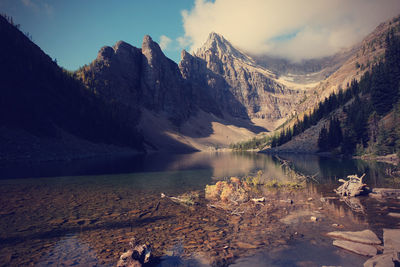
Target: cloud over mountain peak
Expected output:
[291,29]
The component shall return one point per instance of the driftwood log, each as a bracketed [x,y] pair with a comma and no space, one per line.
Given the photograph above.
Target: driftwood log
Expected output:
[352,187]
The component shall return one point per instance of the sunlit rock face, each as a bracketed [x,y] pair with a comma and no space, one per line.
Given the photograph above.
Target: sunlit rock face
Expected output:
[254,87]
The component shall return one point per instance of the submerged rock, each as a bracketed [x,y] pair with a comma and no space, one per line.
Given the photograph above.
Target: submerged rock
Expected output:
[299,216]
[394,214]
[365,237]
[390,256]
[362,249]
[136,257]
[383,260]
[391,240]
[385,193]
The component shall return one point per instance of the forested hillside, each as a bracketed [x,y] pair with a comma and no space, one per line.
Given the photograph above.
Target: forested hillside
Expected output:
[45,101]
[369,109]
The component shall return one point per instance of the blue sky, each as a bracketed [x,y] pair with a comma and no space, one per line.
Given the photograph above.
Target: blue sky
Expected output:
[72,31]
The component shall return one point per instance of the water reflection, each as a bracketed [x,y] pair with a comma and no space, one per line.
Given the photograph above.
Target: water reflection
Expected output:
[93,207]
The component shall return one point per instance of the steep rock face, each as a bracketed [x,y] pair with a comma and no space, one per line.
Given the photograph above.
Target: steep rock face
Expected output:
[210,90]
[115,73]
[139,78]
[162,84]
[252,86]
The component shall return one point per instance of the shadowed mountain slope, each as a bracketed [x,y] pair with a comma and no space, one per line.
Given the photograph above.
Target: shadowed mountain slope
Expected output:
[46,104]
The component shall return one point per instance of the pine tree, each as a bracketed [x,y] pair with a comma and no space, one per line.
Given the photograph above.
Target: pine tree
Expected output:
[335,133]
[323,140]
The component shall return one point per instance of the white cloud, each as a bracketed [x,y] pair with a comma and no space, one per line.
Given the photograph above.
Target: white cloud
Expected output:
[29,3]
[165,41]
[49,9]
[183,41]
[39,6]
[288,28]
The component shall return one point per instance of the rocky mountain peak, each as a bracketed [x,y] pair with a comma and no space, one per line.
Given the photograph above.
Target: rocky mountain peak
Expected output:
[105,53]
[217,46]
[185,55]
[147,40]
[121,48]
[216,40]
[121,45]
[150,49]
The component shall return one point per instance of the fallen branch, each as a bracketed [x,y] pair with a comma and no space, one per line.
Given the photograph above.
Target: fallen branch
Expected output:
[185,199]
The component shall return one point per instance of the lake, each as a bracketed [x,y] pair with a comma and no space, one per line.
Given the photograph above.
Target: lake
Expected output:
[85,212]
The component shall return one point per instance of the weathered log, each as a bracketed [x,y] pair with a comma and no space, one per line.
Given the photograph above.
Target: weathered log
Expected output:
[352,187]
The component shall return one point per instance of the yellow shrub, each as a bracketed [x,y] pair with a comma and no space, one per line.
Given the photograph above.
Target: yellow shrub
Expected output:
[235,180]
[212,192]
[227,192]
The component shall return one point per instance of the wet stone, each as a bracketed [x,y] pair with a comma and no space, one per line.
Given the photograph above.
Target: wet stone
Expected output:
[385,260]
[394,214]
[391,240]
[362,249]
[366,236]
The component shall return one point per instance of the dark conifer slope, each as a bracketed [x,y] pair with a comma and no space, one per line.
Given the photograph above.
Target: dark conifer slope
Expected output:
[43,100]
[369,111]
